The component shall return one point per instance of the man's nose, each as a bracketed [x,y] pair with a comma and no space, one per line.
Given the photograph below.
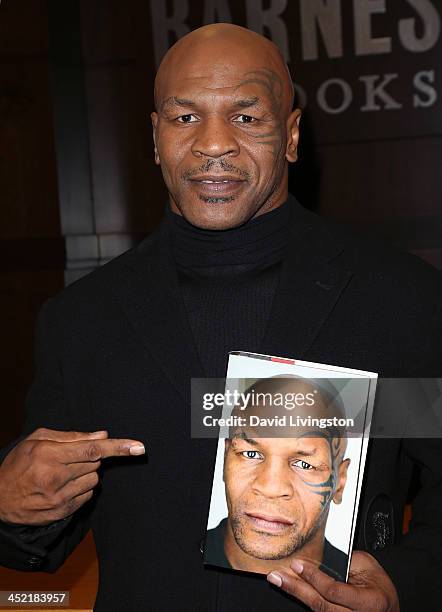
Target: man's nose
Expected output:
[215,138]
[273,480]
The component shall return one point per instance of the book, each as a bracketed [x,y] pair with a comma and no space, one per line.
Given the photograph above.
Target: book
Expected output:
[291,454]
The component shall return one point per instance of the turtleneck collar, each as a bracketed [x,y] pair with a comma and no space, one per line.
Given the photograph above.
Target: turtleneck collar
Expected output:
[255,245]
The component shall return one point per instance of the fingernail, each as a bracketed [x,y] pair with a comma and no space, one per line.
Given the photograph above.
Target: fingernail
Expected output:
[100,431]
[275,579]
[137,449]
[296,566]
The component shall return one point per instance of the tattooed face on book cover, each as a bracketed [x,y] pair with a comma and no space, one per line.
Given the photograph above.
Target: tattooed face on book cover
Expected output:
[224,129]
[279,489]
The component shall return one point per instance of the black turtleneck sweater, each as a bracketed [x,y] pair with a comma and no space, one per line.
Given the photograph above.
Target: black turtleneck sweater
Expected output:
[228,280]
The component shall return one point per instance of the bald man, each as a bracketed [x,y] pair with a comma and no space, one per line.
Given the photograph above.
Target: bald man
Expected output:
[224,129]
[236,264]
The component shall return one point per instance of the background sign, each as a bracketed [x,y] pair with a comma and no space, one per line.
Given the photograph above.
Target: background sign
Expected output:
[363,68]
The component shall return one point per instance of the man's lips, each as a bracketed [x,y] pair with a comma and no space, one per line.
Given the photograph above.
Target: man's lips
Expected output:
[216,178]
[222,184]
[267,522]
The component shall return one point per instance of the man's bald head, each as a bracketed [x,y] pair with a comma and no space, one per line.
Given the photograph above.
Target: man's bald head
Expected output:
[285,394]
[214,45]
[224,129]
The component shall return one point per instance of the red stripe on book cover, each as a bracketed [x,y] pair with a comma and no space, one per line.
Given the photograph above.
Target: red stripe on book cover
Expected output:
[279,360]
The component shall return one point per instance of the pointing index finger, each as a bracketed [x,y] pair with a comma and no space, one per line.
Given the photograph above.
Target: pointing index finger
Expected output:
[56,435]
[94,450]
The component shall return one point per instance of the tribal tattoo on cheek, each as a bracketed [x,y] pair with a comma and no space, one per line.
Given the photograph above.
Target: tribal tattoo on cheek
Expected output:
[326,488]
[272,82]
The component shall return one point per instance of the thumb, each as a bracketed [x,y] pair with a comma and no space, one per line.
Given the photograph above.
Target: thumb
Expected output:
[42,433]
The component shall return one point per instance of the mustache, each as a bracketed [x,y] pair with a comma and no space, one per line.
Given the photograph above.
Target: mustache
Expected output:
[212,164]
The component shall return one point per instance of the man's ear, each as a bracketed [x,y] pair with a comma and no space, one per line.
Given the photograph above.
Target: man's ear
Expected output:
[342,479]
[154,118]
[226,448]
[293,121]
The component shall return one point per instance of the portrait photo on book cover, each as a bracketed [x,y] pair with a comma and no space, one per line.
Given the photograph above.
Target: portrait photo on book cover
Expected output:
[287,480]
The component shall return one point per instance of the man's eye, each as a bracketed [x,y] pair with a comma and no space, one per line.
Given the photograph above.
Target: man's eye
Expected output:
[250,454]
[244,119]
[187,119]
[303,465]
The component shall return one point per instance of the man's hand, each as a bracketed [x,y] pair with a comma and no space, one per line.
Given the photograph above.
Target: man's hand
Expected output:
[50,474]
[369,588]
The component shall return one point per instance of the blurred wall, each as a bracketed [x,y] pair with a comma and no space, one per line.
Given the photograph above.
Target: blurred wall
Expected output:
[31,246]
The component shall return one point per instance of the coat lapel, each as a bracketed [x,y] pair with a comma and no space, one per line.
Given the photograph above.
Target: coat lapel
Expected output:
[309,287]
[152,301]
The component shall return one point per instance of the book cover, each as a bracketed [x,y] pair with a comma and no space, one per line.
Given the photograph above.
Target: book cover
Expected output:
[291,455]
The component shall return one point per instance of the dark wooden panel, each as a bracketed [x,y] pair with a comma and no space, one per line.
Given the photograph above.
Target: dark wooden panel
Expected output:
[31,248]
[109,29]
[127,187]
[23,28]
[21,295]
[383,180]
[391,187]
[29,205]
[36,253]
